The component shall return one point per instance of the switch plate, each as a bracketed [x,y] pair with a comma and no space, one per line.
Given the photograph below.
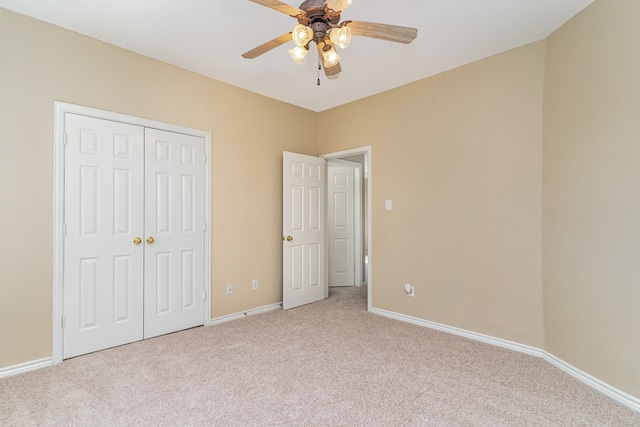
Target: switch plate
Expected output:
[387,205]
[229,288]
[254,284]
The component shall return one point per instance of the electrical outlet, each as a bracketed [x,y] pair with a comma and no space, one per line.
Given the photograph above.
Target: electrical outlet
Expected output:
[254,284]
[229,289]
[410,290]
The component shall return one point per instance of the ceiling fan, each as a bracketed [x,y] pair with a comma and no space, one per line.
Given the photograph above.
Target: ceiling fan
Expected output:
[319,21]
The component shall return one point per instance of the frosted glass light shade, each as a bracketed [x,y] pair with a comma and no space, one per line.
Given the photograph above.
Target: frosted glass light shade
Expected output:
[298,53]
[341,37]
[340,5]
[301,35]
[330,57]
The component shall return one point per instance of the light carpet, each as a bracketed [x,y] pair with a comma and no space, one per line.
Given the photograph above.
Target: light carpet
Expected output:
[325,364]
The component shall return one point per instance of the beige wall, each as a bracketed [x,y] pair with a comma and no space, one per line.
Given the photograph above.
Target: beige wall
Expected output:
[40,63]
[459,154]
[591,193]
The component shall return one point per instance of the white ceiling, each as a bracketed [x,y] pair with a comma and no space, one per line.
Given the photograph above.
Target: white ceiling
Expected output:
[208,37]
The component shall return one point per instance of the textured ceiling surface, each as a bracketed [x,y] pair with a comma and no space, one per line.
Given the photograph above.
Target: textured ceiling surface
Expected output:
[208,37]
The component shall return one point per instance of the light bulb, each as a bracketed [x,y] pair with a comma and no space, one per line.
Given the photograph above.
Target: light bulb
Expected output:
[341,36]
[298,53]
[301,35]
[330,57]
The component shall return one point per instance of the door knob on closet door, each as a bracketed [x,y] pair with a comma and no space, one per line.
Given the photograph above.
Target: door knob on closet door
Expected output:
[137,241]
[289,238]
[150,240]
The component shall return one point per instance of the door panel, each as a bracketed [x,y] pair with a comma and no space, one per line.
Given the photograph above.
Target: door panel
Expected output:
[303,230]
[174,205]
[103,274]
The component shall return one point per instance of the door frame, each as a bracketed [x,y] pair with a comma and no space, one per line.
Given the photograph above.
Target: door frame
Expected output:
[367,170]
[60,109]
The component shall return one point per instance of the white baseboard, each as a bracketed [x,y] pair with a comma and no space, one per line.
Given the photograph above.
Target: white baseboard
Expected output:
[252,312]
[25,367]
[604,388]
[533,351]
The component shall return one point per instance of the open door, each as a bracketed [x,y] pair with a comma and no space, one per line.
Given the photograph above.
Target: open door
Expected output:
[303,252]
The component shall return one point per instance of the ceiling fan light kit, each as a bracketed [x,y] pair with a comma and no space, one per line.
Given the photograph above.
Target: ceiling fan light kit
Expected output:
[341,37]
[298,53]
[319,21]
[301,35]
[330,57]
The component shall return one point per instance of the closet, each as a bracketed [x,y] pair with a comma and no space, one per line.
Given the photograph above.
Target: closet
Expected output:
[133,264]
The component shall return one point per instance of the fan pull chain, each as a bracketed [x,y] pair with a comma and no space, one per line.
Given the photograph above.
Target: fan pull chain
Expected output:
[319,68]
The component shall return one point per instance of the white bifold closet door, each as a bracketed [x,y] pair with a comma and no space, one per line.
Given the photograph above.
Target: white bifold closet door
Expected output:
[174,211]
[134,233]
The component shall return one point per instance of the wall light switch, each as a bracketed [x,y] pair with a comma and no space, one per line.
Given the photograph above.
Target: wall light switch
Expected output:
[387,205]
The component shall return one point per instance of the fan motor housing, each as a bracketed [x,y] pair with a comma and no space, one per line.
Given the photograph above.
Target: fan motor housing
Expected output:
[319,30]
[318,18]
[308,4]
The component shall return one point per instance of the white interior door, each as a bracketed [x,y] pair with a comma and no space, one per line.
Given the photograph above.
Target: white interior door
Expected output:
[341,178]
[103,211]
[134,245]
[303,230]
[175,229]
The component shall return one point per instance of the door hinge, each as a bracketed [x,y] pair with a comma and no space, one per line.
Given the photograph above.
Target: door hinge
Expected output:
[64,229]
[64,138]
[204,226]
[63,322]
[204,158]
[204,295]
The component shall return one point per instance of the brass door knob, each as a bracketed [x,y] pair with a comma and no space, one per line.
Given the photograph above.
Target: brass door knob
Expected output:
[289,238]
[150,240]
[137,241]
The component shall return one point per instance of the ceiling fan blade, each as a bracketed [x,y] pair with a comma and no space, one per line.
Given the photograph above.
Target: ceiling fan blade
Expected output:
[333,71]
[339,5]
[279,6]
[266,47]
[392,33]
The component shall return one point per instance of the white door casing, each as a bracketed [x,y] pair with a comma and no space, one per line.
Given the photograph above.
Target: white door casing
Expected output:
[303,230]
[341,223]
[104,213]
[174,206]
[121,176]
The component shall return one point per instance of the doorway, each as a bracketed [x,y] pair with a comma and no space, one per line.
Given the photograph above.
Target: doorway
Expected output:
[304,233]
[362,252]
